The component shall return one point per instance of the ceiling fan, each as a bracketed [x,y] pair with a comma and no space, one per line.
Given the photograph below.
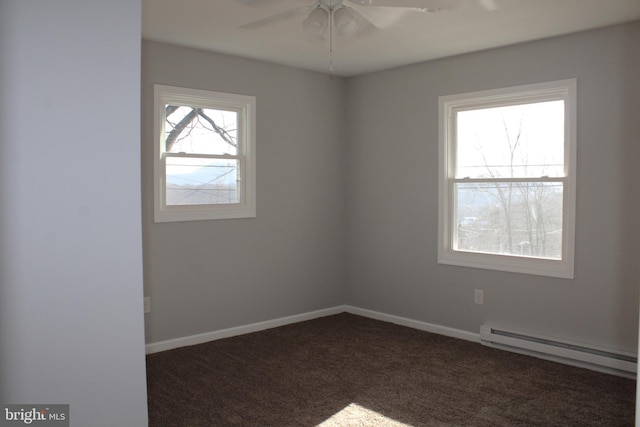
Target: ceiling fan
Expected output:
[345,18]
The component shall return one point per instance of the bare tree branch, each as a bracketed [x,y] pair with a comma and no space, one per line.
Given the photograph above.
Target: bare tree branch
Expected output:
[177,130]
[170,109]
[220,131]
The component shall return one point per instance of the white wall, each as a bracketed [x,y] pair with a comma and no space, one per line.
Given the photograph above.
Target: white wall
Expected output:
[205,276]
[71,322]
[393,193]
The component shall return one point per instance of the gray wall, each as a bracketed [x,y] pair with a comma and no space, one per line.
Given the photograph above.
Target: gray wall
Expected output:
[204,276]
[393,193]
[359,156]
[71,323]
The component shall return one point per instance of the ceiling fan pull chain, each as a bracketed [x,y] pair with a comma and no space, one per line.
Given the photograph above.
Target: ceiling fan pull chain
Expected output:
[331,16]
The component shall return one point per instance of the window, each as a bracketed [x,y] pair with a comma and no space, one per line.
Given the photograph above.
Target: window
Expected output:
[507,179]
[204,155]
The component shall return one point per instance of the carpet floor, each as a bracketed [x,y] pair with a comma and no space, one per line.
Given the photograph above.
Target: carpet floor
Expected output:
[347,370]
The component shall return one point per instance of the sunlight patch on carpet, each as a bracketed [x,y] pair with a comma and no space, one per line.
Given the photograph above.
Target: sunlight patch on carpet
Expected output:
[355,415]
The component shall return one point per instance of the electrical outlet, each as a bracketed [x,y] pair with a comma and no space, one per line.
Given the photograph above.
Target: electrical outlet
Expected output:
[147,304]
[479,296]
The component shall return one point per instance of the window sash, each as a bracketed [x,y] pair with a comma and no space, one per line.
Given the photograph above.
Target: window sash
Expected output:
[241,162]
[499,180]
[201,156]
[540,241]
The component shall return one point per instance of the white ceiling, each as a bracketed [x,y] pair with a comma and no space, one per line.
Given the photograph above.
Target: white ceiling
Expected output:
[404,36]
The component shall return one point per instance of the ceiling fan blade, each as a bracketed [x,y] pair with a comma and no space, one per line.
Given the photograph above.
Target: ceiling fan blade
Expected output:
[286,15]
[422,5]
[381,17]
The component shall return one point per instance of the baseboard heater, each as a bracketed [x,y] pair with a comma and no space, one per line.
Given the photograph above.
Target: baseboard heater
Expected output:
[598,359]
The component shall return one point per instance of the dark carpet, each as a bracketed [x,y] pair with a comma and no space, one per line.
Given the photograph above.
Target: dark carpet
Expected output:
[347,370]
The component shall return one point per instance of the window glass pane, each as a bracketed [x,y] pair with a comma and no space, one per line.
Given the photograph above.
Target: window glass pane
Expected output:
[517,141]
[200,130]
[523,218]
[193,181]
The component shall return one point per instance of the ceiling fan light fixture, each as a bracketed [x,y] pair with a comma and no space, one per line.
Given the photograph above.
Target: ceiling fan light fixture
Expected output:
[316,23]
[345,22]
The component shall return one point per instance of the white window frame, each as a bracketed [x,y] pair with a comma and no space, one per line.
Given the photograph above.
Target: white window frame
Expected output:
[246,107]
[540,92]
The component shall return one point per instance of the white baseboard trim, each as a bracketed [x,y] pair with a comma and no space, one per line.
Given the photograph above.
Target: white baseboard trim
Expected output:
[261,326]
[415,324]
[239,330]
[376,315]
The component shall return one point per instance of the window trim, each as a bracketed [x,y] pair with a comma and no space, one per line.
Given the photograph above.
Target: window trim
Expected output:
[245,105]
[448,105]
